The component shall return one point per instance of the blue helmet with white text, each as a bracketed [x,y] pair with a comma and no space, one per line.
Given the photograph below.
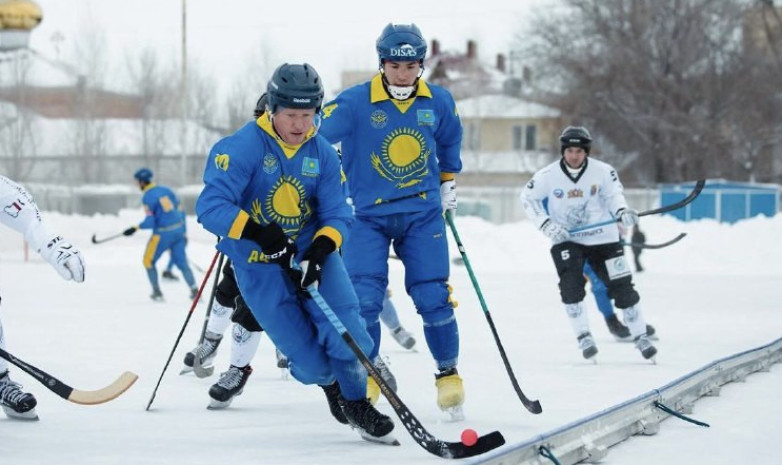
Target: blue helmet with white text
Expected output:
[401,42]
[143,175]
[295,86]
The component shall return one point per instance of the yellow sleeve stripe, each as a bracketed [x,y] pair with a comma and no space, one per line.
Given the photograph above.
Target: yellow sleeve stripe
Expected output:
[447,177]
[238,225]
[331,233]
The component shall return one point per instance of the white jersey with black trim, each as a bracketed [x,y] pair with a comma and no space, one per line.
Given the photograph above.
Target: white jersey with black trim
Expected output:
[595,195]
[20,213]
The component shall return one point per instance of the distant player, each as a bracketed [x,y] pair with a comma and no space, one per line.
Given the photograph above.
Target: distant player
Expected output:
[580,191]
[21,214]
[166,219]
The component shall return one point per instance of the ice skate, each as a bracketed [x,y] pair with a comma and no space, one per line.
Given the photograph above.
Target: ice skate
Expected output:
[157,296]
[230,385]
[335,400]
[450,393]
[282,363]
[206,352]
[169,276]
[193,293]
[16,403]
[648,351]
[588,347]
[403,337]
[371,424]
[618,330]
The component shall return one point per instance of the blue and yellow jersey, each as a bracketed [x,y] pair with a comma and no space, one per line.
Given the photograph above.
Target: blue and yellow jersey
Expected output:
[394,152]
[164,213]
[253,175]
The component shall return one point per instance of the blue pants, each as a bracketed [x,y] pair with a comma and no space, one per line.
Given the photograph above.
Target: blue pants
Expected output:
[419,240]
[298,327]
[600,292]
[157,245]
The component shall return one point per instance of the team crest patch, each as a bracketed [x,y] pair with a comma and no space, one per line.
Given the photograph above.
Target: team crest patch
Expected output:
[270,164]
[378,119]
[310,167]
[425,117]
[221,161]
[559,193]
[594,190]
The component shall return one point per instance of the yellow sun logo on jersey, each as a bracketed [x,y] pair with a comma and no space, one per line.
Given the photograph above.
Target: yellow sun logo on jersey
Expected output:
[403,157]
[285,205]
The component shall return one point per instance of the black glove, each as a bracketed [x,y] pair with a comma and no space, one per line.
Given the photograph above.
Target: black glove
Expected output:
[129,231]
[276,245]
[312,261]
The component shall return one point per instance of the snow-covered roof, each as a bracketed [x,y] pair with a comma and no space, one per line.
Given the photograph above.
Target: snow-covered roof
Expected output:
[504,106]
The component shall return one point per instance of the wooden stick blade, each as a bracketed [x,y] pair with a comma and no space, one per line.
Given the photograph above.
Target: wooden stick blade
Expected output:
[110,392]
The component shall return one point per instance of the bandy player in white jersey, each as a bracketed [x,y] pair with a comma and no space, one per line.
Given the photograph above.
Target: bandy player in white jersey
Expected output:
[21,214]
[577,191]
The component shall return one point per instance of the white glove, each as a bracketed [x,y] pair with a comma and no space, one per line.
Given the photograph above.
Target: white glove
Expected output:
[448,195]
[628,217]
[555,231]
[65,258]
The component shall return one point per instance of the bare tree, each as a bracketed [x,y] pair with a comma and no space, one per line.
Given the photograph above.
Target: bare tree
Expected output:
[666,79]
[18,144]
[89,139]
[156,87]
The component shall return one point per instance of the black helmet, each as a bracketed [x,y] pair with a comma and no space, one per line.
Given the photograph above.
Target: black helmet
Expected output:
[575,136]
[260,106]
[295,86]
[401,42]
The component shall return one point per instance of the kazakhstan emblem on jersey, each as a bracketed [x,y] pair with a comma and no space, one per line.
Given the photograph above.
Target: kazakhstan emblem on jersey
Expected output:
[285,204]
[403,158]
[269,163]
[425,117]
[378,119]
[310,167]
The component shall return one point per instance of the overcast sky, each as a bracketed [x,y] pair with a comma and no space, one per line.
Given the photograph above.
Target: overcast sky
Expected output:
[226,36]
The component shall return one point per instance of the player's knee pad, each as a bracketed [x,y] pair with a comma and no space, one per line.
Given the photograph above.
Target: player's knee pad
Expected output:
[572,294]
[433,300]
[244,317]
[624,294]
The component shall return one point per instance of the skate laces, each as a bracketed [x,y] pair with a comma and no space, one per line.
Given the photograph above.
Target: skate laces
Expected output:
[231,378]
[11,392]
[363,414]
[585,341]
[207,348]
[643,343]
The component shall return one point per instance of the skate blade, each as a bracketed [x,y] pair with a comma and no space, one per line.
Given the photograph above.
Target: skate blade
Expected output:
[30,415]
[455,413]
[185,370]
[623,339]
[218,405]
[284,374]
[203,371]
[388,439]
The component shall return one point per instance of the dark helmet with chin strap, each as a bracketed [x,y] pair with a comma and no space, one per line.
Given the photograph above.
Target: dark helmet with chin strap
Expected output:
[401,42]
[295,86]
[575,136]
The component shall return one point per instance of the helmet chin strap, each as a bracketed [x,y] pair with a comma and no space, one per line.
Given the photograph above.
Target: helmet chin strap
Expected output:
[401,92]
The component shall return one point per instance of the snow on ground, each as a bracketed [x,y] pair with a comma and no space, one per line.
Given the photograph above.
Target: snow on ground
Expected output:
[714,293]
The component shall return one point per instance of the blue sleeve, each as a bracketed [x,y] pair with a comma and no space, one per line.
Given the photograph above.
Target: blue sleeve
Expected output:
[150,201]
[334,212]
[448,135]
[336,120]
[227,173]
